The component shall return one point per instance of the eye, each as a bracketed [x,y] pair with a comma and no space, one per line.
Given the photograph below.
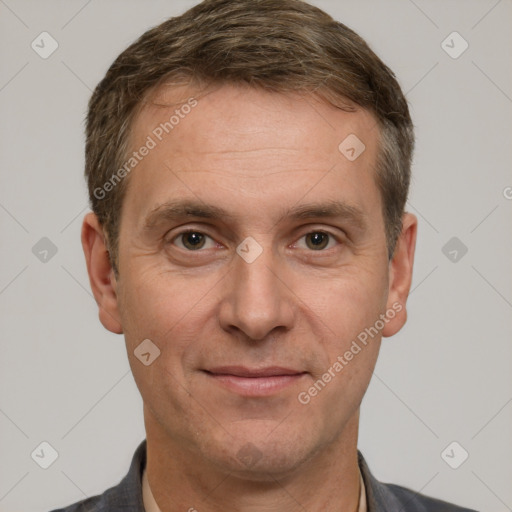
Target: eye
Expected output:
[192,240]
[318,240]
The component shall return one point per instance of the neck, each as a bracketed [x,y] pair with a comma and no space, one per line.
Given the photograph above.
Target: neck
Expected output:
[182,479]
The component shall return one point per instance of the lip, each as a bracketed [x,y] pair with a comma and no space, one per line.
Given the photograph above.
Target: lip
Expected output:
[242,371]
[254,381]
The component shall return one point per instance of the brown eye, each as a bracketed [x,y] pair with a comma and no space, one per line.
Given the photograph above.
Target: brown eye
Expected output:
[191,240]
[317,240]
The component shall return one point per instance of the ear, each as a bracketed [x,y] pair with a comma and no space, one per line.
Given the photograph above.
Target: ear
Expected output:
[101,275]
[400,274]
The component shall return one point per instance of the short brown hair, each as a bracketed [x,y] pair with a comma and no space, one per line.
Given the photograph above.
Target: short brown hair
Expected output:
[278,45]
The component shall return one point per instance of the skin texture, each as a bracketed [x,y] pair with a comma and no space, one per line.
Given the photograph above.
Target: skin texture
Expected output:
[257,155]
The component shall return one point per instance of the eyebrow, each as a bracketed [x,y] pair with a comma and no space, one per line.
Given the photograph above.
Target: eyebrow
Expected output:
[179,209]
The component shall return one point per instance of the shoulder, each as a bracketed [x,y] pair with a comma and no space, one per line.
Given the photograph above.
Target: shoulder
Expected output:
[94,504]
[127,495]
[411,501]
[115,499]
[384,497]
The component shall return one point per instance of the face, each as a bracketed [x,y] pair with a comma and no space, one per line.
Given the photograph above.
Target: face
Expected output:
[252,253]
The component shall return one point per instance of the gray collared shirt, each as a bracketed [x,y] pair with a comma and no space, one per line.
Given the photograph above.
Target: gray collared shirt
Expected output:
[380,497]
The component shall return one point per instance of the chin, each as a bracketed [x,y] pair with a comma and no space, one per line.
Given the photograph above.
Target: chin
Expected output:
[265,457]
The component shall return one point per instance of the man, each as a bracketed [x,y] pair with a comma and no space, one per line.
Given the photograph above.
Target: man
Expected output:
[248,165]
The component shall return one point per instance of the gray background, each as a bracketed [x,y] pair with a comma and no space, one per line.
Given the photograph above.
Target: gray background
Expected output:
[445,377]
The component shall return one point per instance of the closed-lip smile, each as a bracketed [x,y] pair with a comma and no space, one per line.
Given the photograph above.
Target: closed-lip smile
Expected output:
[254,381]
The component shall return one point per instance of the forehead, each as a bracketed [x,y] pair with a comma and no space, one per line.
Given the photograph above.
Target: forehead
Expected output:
[244,145]
[251,116]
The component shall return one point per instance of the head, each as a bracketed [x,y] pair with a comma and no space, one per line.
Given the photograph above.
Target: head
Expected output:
[282,144]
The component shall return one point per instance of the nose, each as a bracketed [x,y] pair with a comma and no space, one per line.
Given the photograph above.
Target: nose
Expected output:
[257,299]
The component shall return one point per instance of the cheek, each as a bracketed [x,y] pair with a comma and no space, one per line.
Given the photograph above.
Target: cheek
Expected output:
[154,303]
[163,309]
[172,311]
[349,312]
[349,309]
[350,302]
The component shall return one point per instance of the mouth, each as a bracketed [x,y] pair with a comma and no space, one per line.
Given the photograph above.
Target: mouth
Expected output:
[254,382]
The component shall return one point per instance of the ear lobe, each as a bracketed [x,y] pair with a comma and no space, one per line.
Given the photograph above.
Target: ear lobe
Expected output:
[400,274]
[101,275]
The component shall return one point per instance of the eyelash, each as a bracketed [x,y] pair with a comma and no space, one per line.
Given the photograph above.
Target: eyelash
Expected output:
[192,230]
